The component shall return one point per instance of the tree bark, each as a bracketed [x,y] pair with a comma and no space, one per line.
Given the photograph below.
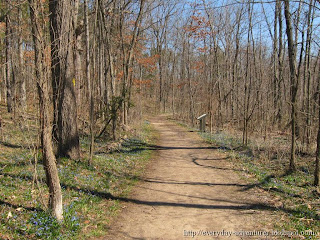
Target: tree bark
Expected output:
[89,80]
[42,72]
[307,73]
[317,163]
[64,96]
[317,168]
[21,79]
[293,83]
[77,56]
[8,34]
[280,62]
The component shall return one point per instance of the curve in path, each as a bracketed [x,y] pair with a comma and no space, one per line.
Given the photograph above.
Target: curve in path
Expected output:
[190,188]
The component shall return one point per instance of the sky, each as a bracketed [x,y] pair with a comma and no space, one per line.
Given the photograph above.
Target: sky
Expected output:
[263,16]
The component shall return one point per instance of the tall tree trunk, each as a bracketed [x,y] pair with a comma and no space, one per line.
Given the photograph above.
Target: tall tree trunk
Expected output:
[89,80]
[293,83]
[42,75]
[21,79]
[173,85]
[317,168]
[307,72]
[280,62]
[248,75]
[77,56]
[274,62]
[64,97]
[8,38]
[235,65]
[190,89]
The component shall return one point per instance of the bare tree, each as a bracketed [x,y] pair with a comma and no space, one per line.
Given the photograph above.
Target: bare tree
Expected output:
[307,73]
[317,162]
[64,97]
[21,78]
[42,76]
[317,168]
[293,83]
[89,80]
[8,43]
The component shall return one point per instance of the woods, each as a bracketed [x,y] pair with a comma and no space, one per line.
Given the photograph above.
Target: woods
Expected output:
[92,68]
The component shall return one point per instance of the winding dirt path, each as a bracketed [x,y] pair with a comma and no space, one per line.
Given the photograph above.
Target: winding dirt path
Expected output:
[190,188]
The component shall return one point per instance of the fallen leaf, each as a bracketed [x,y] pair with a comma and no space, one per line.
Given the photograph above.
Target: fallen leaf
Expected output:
[19,209]
[278,204]
[9,215]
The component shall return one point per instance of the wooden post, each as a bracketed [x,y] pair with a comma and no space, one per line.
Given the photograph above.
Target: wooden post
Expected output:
[202,124]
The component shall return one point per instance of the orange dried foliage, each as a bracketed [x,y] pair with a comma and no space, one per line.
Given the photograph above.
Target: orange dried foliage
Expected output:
[139,83]
[132,22]
[181,85]
[127,38]
[204,49]
[119,75]
[149,62]
[2,26]
[198,28]
[199,66]
[28,55]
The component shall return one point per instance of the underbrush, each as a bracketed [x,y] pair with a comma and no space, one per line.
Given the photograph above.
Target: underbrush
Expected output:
[265,166]
[92,195]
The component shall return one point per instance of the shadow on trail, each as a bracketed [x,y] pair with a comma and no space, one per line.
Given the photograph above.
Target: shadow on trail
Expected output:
[236,207]
[106,195]
[260,184]
[133,146]
[196,160]
[191,196]
[190,183]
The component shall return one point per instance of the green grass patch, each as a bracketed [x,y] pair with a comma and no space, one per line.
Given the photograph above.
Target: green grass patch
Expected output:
[92,195]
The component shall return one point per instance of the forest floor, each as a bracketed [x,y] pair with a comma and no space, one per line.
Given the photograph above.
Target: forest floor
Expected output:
[191,190]
[92,195]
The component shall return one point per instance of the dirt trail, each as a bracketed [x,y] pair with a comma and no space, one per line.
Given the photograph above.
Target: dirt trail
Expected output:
[189,187]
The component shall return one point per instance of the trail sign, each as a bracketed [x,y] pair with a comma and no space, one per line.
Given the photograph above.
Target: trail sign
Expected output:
[202,120]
